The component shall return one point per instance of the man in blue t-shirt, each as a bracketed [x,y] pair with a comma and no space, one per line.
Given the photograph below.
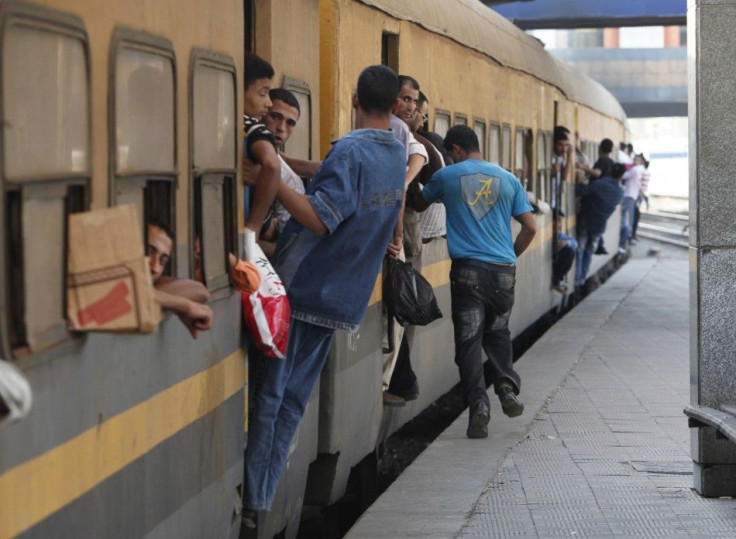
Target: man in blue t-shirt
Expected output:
[328,257]
[481,198]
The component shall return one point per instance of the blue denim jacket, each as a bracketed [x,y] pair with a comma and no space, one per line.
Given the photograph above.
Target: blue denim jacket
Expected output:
[357,193]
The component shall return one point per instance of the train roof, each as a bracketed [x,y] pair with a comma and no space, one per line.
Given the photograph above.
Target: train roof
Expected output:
[474,25]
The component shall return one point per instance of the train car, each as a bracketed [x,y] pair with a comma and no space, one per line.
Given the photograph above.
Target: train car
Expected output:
[477,69]
[141,103]
[108,103]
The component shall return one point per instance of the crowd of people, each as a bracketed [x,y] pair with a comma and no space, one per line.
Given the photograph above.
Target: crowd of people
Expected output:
[389,183]
[599,190]
[397,186]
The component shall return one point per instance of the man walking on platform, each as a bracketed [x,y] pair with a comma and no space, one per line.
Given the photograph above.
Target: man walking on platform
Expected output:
[481,198]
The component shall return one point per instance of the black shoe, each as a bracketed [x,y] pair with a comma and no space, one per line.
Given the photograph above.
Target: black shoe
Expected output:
[510,403]
[408,394]
[601,250]
[394,401]
[479,418]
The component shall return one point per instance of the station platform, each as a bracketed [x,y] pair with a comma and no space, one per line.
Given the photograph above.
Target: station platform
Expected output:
[603,447]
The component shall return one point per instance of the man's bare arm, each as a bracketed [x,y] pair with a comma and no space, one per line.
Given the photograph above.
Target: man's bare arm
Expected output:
[301,209]
[302,167]
[527,232]
[193,290]
[195,316]
[267,181]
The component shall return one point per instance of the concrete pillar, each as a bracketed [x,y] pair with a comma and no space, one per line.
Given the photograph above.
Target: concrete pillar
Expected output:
[712,119]
[610,38]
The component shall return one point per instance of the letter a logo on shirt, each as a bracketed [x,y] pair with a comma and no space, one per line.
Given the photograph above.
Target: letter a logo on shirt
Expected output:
[480,193]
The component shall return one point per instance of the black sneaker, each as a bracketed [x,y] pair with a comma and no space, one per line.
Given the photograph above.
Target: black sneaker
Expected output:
[510,403]
[601,250]
[479,418]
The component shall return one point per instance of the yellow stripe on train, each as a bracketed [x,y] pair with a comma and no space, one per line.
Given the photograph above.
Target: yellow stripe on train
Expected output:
[34,490]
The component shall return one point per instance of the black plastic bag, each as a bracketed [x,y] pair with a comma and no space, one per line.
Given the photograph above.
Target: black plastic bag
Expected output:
[408,296]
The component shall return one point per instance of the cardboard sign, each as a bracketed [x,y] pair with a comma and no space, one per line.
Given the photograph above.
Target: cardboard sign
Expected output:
[109,284]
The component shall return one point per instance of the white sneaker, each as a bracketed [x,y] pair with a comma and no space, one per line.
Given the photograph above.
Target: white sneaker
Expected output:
[621,251]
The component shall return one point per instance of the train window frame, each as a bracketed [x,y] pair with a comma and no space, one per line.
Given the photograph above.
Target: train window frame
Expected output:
[138,186]
[442,114]
[212,182]
[494,128]
[527,154]
[542,169]
[460,119]
[506,151]
[482,140]
[300,88]
[40,195]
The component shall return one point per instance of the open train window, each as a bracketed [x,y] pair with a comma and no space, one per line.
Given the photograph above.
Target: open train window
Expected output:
[523,154]
[213,158]
[506,147]
[143,126]
[542,168]
[479,126]
[494,144]
[46,168]
[441,122]
[461,119]
[299,144]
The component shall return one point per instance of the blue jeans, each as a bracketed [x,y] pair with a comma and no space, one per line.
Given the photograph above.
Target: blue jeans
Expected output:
[627,221]
[482,298]
[588,245]
[278,406]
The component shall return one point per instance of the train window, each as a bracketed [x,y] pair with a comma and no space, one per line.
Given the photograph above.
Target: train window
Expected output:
[46,168]
[506,147]
[300,141]
[494,155]
[213,161]
[523,156]
[441,122]
[143,126]
[519,154]
[479,126]
[461,119]
[542,170]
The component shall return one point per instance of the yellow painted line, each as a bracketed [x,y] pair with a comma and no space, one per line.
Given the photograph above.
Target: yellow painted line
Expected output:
[34,490]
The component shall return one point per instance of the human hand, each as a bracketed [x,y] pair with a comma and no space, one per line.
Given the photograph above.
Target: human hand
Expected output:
[394,247]
[197,317]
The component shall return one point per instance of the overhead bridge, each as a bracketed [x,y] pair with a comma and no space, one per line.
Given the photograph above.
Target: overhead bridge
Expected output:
[563,14]
[648,82]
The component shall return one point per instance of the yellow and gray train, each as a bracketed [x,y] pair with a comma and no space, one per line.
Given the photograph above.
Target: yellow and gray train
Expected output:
[139,102]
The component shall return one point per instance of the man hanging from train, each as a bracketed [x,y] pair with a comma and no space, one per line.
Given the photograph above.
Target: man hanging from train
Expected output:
[480,199]
[356,193]
[259,146]
[407,242]
[281,119]
[404,383]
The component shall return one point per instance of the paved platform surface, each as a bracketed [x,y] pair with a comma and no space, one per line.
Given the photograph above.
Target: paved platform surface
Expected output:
[603,448]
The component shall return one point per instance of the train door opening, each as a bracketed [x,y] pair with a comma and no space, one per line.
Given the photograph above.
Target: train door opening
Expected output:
[249,34]
[390,50]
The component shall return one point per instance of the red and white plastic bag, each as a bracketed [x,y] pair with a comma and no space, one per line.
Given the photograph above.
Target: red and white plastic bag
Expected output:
[266,311]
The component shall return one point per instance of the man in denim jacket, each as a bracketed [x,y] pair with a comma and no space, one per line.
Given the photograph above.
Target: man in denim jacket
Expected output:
[481,198]
[328,258]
